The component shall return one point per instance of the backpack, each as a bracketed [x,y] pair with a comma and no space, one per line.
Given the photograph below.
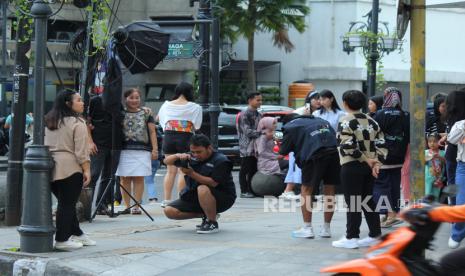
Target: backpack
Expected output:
[396,144]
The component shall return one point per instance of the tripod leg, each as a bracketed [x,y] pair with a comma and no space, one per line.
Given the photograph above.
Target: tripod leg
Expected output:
[108,189]
[136,203]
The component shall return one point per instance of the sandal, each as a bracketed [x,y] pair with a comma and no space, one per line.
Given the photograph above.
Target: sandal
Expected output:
[136,211]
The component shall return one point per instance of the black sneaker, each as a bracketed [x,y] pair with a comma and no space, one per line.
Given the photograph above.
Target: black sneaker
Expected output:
[199,226]
[209,227]
[204,219]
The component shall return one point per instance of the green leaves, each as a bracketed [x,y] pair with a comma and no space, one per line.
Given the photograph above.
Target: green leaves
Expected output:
[247,17]
[26,21]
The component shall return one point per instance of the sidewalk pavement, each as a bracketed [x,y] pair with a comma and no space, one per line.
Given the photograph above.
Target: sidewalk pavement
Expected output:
[250,242]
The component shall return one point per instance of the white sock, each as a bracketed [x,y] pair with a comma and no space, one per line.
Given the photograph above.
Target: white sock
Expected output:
[307,224]
[327,225]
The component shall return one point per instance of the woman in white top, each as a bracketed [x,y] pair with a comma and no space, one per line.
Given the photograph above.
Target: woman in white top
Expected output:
[329,110]
[179,118]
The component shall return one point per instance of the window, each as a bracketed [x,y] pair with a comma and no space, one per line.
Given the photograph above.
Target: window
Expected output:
[159,92]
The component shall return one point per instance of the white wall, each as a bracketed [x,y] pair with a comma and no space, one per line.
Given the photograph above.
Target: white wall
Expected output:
[318,56]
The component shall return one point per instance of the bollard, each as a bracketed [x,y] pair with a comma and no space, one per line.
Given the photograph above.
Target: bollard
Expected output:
[36,230]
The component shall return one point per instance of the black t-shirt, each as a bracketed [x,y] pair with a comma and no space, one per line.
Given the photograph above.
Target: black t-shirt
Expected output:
[218,167]
[101,120]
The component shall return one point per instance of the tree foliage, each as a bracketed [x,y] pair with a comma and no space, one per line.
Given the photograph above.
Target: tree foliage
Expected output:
[248,17]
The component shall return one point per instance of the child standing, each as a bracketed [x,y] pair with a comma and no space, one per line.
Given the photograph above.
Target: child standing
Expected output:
[435,166]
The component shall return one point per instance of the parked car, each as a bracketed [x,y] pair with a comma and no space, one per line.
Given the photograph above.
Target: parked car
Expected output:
[228,142]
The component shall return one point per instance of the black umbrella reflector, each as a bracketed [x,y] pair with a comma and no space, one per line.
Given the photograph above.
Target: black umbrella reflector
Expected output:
[141,46]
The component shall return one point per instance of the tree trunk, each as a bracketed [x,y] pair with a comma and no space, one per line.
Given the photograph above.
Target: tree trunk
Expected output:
[251,83]
[252,17]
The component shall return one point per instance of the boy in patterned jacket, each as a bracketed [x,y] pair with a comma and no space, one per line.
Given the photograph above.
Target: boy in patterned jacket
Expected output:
[361,150]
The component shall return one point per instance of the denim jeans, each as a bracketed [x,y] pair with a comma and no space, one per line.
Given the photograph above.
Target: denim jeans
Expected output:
[458,229]
[150,180]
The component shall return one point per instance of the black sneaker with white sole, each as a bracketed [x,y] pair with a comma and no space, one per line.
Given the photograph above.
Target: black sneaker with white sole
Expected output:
[209,227]
[204,219]
[199,226]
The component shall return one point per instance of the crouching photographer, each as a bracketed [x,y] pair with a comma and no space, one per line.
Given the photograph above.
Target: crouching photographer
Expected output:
[209,185]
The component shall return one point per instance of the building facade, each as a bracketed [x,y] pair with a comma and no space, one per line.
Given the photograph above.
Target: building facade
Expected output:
[319,58]
[156,86]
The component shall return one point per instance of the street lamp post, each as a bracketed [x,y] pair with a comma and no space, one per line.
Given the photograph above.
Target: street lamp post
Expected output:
[214,108]
[373,41]
[204,61]
[36,230]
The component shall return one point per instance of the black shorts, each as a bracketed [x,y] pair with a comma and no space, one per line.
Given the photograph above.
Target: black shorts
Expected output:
[326,168]
[191,204]
[176,142]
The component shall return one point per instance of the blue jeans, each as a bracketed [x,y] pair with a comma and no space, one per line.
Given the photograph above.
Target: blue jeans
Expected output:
[150,180]
[458,229]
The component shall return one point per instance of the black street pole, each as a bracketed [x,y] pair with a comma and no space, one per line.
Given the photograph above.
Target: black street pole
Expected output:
[16,156]
[204,69]
[214,108]
[36,230]
[3,102]
[373,53]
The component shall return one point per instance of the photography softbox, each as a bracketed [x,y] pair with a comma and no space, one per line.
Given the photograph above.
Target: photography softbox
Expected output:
[141,46]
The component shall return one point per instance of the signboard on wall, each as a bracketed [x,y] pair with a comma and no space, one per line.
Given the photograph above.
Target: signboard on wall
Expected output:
[184,49]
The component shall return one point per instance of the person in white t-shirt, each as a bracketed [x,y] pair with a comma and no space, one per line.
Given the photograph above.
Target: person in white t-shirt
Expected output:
[179,118]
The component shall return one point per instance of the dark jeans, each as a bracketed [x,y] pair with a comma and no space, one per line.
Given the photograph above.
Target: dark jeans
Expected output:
[357,182]
[451,168]
[67,192]
[453,264]
[388,185]
[101,168]
[248,169]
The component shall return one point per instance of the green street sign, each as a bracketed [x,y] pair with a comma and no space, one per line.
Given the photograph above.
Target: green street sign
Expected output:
[178,50]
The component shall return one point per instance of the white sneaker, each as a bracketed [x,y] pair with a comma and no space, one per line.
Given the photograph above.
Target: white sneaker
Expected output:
[304,232]
[346,243]
[453,244]
[68,245]
[367,242]
[293,197]
[286,195]
[325,232]
[165,203]
[84,239]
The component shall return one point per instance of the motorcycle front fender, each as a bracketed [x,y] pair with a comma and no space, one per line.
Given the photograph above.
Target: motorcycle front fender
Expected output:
[360,266]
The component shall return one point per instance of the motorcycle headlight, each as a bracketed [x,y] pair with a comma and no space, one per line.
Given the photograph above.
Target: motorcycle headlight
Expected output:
[378,251]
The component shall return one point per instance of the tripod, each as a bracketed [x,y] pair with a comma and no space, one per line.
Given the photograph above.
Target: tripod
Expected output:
[110,187]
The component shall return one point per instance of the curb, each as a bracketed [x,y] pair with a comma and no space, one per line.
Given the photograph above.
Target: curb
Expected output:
[19,264]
